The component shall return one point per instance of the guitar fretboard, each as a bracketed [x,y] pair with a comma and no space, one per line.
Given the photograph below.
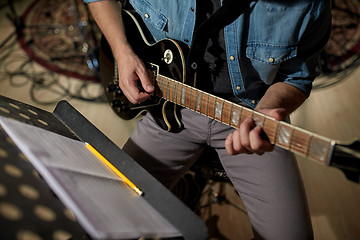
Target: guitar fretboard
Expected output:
[280,133]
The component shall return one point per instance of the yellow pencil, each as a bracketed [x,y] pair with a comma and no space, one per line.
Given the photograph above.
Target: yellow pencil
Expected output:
[114,169]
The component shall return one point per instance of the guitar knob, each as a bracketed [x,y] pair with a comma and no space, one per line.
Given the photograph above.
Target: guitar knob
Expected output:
[115,89]
[119,105]
[118,92]
[116,103]
[112,87]
[124,107]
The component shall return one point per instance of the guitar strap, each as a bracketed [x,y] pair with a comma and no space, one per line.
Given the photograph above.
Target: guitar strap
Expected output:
[226,14]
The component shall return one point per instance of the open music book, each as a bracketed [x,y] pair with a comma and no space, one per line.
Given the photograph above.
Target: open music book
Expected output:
[103,204]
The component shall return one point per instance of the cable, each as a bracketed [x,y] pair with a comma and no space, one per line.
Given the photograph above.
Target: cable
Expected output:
[21,70]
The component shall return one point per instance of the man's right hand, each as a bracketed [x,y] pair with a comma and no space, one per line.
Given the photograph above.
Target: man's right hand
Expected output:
[108,16]
[131,69]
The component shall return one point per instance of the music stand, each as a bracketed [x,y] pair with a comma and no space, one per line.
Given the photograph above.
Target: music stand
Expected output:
[67,121]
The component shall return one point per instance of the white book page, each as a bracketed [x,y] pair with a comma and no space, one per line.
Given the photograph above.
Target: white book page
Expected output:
[104,205]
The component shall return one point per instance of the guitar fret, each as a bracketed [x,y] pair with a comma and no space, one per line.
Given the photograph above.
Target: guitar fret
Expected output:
[276,132]
[158,89]
[263,122]
[218,110]
[241,119]
[308,145]
[291,138]
[169,89]
[230,113]
[196,96]
[187,96]
[300,141]
[166,89]
[207,105]
[192,99]
[203,103]
[319,148]
[163,87]
[258,118]
[198,101]
[183,95]
[189,106]
[211,106]
[246,113]
[227,106]
[214,113]
[236,116]
[283,135]
[178,93]
[174,91]
[270,127]
[202,100]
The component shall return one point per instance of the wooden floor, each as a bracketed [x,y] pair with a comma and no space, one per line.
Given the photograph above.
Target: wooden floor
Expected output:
[333,112]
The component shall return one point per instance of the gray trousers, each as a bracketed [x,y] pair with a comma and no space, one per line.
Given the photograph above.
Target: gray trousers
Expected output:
[270,185]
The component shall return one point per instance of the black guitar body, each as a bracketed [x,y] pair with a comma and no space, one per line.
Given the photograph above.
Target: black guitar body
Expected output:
[169,60]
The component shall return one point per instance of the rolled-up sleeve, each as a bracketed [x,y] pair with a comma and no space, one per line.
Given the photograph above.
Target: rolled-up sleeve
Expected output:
[301,71]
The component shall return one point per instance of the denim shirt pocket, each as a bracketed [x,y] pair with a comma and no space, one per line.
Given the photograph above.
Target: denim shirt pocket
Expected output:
[155,21]
[266,58]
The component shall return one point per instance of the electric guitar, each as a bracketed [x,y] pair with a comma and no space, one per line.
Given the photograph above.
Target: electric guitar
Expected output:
[175,86]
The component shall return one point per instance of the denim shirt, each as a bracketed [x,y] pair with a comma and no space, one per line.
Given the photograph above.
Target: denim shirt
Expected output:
[272,41]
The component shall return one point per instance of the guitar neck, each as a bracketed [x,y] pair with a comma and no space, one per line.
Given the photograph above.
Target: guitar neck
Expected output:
[280,133]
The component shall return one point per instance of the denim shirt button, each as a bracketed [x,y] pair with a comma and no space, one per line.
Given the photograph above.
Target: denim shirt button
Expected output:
[238,88]
[192,9]
[271,60]
[232,58]
[147,15]
[253,101]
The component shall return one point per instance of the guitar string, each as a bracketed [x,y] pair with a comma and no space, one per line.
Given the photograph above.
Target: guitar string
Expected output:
[299,143]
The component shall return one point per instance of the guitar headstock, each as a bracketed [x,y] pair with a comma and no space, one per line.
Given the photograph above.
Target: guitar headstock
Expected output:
[346,157]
